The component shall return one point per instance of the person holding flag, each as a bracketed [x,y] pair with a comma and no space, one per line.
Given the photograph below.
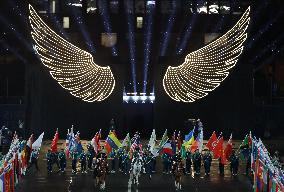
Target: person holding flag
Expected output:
[83,161]
[234,163]
[49,161]
[62,160]
[207,159]
[196,161]
[33,159]
[90,154]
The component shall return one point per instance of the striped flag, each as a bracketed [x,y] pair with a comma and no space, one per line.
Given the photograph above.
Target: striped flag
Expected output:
[136,142]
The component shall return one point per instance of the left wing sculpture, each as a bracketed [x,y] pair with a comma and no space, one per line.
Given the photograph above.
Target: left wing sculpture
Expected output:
[203,70]
[72,67]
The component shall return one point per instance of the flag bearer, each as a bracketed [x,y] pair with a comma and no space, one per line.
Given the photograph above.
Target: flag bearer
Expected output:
[62,160]
[196,161]
[112,156]
[74,156]
[166,160]
[188,162]
[221,167]
[120,153]
[125,162]
[83,162]
[33,160]
[207,159]
[234,163]
[49,161]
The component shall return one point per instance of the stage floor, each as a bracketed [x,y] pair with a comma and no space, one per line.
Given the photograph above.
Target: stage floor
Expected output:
[40,181]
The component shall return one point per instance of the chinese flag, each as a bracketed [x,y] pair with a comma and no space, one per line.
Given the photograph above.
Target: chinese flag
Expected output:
[229,148]
[212,142]
[218,150]
[54,142]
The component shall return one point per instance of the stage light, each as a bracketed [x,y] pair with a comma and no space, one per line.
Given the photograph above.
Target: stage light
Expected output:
[203,70]
[152,98]
[135,98]
[143,98]
[72,67]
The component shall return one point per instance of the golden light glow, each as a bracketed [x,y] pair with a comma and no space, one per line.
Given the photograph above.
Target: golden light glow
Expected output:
[72,67]
[203,70]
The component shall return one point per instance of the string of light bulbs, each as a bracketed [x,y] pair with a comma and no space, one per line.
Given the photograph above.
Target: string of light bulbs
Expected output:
[203,70]
[72,67]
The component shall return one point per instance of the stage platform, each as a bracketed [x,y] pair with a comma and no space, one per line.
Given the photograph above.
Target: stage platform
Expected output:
[40,181]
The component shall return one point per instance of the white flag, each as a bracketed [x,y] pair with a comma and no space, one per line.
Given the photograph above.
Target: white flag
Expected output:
[152,140]
[37,144]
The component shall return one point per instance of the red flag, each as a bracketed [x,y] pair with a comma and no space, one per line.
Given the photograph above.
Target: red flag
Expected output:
[54,142]
[212,142]
[97,139]
[108,147]
[194,146]
[218,150]
[30,141]
[229,148]
[179,142]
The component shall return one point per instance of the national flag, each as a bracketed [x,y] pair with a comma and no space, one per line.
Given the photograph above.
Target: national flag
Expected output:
[152,141]
[218,150]
[254,154]
[2,182]
[37,144]
[179,141]
[54,142]
[136,142]
[229,148]
[188,139]
[67,143]
[29,147]
[198,142]
[156,151]
[94,144]
[79,148]
[200,136]
[212,141]
[173,142]
[113,142]
[245,148]
[72,143]
[167,148]
[98,138]
[164,139]
[126,142]
[30,141]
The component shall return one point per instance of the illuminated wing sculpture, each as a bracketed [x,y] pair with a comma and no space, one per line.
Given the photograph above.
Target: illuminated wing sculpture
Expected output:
[203,70]
[72,67]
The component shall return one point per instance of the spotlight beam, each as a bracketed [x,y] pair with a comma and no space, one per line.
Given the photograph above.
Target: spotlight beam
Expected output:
[82,27]
[132,52]
[147,45]
[184,41]
[106,22]
[167,33]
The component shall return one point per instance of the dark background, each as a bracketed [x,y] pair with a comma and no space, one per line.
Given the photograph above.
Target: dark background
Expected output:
[250,99]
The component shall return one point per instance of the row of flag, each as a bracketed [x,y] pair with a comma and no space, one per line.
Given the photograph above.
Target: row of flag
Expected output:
[268,177]
[14,164]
